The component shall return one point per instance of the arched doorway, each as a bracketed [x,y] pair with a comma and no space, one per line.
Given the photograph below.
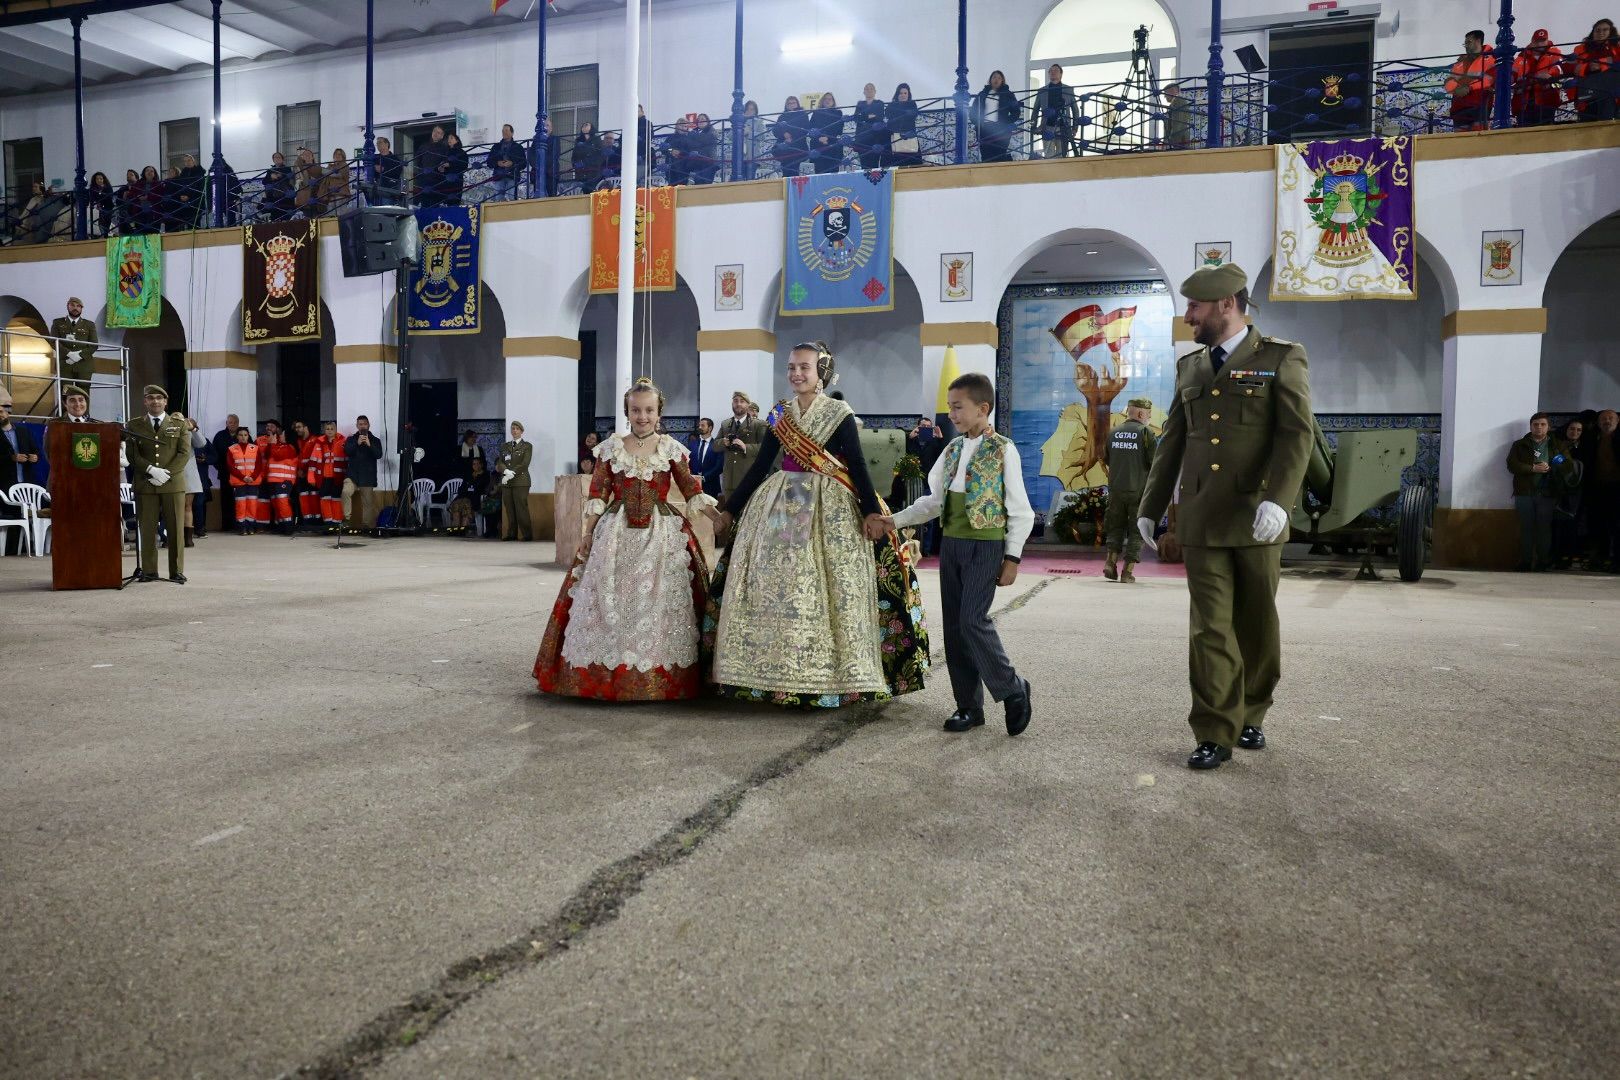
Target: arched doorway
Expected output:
[458,384]
[879,356]
[26,360]
[1580,354]
[297,380]
[1085,325]
[669,321]
[157,354]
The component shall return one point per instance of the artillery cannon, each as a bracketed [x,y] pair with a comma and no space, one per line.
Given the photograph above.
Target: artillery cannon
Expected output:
[1345,484]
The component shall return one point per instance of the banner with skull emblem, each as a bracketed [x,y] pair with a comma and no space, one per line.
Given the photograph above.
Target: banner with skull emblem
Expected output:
[445,294]
[281,298]
[839,251]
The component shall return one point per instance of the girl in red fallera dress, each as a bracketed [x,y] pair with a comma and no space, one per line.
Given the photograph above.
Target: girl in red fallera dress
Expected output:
[626,625]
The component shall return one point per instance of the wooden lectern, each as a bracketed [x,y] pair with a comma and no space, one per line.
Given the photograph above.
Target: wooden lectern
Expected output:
[87,527]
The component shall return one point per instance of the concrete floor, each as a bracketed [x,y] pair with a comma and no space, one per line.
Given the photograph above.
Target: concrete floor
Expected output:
[308,813]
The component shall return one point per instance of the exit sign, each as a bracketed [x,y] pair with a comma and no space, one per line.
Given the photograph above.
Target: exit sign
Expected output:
[1323,5]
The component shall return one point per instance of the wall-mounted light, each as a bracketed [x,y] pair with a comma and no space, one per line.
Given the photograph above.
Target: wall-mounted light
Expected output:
[820,45]
[245,119]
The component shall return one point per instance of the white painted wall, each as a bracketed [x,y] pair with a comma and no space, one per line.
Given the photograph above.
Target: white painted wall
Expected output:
[491,74]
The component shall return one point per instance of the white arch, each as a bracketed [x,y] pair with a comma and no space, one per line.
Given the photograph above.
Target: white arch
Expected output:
[1128,14]
[1036,246]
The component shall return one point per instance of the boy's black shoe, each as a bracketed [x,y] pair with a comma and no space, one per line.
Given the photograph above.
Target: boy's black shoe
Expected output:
[963,719]
[1018,711]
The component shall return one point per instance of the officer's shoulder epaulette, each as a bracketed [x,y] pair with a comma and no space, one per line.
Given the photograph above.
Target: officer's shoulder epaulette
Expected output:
[1267,340]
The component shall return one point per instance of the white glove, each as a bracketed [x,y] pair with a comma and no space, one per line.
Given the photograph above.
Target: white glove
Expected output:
[420,454]
[158,474]
[507,476]
[1145,527]
[1269,522]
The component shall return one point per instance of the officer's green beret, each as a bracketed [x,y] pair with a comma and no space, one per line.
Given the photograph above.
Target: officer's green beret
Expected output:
[154,388]
[75,300]
[1141,403]
[1215,282]
[70,390]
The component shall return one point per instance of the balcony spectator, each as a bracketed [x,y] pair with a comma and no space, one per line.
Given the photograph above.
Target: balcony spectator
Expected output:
[277,204]
[753,140]
[1538,77]
[1055,115]
[900,118]
[455,173]
[995,117]
[390,175]
[39,215]
[307,176]
[505,160]
[1177,118]
[1594,57]
[432,162]
[150,201]
[233,194]
[612,157]
[826,136]
[678,154]
[169,205]
[99,203]
[543,183]
[1542,468]
[703,150]
[586,158]
[334,191]
[644,145]
[871,136]
[190,192]
[790,129]
[1472,82]
[129,203]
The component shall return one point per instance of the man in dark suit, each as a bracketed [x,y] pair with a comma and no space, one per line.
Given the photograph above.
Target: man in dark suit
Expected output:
[708,460]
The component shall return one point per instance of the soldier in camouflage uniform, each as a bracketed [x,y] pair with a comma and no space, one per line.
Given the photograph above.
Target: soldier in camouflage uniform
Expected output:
[1129,457]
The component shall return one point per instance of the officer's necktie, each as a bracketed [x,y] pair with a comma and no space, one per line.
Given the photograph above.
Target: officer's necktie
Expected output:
[1217,356]
[155,424]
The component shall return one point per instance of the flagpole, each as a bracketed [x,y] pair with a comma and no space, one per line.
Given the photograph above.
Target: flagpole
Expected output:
[629,155]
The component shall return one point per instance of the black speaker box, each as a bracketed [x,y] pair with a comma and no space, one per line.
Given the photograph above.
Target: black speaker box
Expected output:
[369,239]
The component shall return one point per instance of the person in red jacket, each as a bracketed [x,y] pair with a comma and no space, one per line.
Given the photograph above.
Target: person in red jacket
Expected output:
[311,460]
[279,474]
[1595,57]
[242,466]
[334,468]
[1472,84]
[1538,82]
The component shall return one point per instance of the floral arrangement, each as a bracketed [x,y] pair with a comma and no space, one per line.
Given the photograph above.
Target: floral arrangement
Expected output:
[1081,519]
[910,468]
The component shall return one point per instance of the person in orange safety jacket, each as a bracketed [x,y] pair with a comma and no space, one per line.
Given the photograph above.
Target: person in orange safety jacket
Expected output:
[1538,82]
[243,469]
[1472,84]
[1592,59]
[311,460]
[334,468]
[280,476]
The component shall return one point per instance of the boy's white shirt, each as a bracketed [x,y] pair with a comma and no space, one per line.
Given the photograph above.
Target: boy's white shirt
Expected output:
[1020,516]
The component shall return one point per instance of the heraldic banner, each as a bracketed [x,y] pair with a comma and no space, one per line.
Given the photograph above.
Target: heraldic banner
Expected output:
[280,282]
[839,250]
[1345,229]
[134,280]
[445,294]
[655,240]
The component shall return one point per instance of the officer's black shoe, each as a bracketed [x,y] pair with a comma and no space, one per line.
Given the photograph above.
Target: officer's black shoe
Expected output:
[1209,756]
[1252,738]
[1018,711]
[963,719]
[178,579]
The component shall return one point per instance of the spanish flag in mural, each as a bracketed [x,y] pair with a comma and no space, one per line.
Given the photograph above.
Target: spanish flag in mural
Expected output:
[655,240]
[134,280]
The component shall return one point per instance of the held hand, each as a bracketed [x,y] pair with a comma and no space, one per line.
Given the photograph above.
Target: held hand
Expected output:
[584,551]
[1541,466]
[420,454]
[158,473]
[507,476]
[1009,573]
[1269,522]
[722,522]
[1145,526]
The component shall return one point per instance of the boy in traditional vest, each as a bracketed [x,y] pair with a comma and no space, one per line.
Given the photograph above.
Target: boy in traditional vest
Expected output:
[978,485]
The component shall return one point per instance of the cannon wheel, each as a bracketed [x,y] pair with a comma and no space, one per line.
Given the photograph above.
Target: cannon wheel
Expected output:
[1412,531]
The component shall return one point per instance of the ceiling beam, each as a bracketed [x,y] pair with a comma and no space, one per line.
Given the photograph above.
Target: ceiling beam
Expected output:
[232,42]
[136,34]
[47,35]
[251,18]
[24,12]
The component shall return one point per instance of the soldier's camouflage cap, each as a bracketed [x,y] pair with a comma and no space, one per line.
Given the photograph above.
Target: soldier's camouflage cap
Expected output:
[1141,403]
[1215,282]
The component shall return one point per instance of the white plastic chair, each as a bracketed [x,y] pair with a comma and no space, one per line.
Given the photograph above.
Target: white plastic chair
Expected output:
[32,498]
[20,524]
[422,497]
[440,503]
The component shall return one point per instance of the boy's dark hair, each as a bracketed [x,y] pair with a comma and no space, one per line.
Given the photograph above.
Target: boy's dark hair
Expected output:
[980,390]
[1541,416]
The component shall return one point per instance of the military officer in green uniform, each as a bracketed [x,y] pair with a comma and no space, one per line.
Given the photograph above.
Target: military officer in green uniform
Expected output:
[514,461]
[76,353]
[1238,437]
[1129,456]
[159,459]
[740,436]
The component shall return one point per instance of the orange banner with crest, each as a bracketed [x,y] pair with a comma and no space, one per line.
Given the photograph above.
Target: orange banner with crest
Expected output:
[655,240]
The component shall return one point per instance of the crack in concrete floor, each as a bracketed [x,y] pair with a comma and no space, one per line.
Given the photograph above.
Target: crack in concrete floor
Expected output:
[596,903]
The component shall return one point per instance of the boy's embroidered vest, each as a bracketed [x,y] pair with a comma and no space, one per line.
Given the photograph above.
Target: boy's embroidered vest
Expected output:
[981,512]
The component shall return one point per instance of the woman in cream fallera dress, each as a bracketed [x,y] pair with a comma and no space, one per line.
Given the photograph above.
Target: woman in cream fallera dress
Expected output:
[806,610]
[626,625]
